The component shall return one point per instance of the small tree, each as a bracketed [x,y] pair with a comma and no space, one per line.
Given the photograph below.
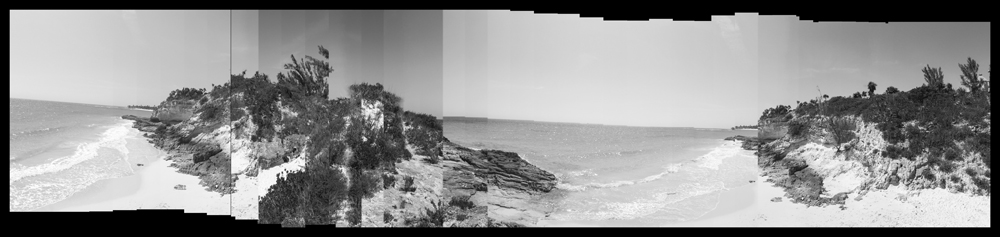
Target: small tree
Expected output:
[891,90]
[871,88]
[933,76]
[307,76]
[970,76]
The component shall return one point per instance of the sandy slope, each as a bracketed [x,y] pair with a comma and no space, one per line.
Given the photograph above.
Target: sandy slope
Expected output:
[884,208]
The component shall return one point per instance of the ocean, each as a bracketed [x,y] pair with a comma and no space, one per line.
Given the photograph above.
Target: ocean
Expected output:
[619,175]
[58,149]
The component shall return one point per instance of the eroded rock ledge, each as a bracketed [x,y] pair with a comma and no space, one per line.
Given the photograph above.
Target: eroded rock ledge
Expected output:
[190,153]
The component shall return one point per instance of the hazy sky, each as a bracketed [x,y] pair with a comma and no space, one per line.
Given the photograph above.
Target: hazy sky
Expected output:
[497,64]
[564,68]
[116,57]
[841,58]
[400,49]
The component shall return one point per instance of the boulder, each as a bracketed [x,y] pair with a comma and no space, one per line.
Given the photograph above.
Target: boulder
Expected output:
[180,187]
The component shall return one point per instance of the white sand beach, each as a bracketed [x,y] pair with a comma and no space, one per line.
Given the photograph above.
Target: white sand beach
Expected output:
[893,207]
[152,187]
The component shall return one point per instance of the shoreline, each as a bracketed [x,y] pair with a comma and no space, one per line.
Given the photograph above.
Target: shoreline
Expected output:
[150,187]
[893,207]
[729,199]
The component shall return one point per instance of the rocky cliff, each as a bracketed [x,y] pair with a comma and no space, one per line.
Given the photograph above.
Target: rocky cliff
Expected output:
[816,169]
[175,110]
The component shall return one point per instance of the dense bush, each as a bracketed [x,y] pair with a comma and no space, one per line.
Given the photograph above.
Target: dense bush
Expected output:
[374,92]
[842,129]
[925,117]
[425,133]
[386,217]
[780,113]
[259,98]
[388,181]
[982,183]
[210,112]
[432,160]
[186,94]
[364,184]
[797,128]
[372,149]
[305,79]
[462,202]
[942,164]
[314,194]
[481,187]
[433,217]
[408,185]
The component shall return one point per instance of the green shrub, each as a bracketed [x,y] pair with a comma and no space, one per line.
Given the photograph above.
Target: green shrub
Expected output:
[364,184]
[388,181]
[981,183]
[842,129]
[433,159]
[408,184]
[314,194]
[433,217]
[481,187]
[797,128]
[210,112]
[971,172]
[927,174]
[462,202]
[387,217]
[942,164]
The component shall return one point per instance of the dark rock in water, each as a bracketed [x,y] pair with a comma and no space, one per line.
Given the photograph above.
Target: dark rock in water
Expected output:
[131,117]
[138,164]
[749,143]
[776,199]
[752,181]
[180,187]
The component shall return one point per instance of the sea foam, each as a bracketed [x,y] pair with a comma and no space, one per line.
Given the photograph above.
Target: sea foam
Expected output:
[113,138]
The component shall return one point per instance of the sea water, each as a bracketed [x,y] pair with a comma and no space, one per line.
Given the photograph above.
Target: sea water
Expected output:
[620,175]
[58,148]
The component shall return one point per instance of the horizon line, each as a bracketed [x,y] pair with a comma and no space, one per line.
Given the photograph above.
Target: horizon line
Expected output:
[123,106]
[578,123]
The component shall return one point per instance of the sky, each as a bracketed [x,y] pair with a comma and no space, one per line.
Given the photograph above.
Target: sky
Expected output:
[400,49]
[496,64]
[564,68]
[841,58]
[116,57]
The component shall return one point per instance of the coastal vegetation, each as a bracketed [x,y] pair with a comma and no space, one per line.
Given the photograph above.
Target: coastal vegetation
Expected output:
[142,107]
[338,151]
[370,124]
[745,127]
[942,131]
[186,94]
